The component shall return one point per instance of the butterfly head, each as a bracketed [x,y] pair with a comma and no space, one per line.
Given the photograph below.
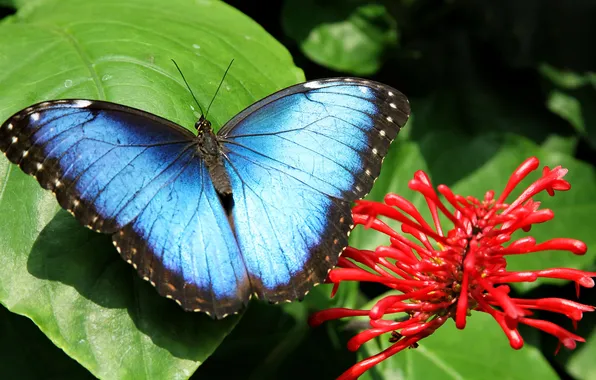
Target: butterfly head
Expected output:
[203,125]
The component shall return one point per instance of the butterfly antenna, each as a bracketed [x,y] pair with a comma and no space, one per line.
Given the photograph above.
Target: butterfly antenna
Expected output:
[189,89]
[218,87]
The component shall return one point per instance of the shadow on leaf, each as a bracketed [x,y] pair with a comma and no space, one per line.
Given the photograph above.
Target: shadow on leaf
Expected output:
[75,257]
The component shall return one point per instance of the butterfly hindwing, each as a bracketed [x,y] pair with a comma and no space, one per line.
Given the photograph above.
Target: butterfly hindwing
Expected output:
[297,159]
[182,243]
[124,171]
[89,154]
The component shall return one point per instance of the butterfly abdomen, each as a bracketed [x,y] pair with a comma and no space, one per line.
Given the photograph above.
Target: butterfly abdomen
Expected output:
[210,150]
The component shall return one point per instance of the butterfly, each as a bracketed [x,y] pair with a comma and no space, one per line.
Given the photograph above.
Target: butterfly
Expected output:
[260,208]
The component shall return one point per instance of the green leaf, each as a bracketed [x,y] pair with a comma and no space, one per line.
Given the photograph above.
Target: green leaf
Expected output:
[68,280]
[350,36]
[480,351]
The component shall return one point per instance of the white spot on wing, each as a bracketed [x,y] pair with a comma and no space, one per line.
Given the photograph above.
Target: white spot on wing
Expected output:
[313,84]
[363,89]
[35,116]
[390,93]
[375,151]
[382,133]
[9,126]
[392,105]
[39,166]
[390,119]
[14,139]
[25,153]
[82,103]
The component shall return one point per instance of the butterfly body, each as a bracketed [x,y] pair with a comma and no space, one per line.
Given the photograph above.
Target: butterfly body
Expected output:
[211,151]
[260,208]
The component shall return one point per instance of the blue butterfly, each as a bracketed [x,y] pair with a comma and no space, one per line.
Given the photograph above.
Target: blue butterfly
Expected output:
[260,208]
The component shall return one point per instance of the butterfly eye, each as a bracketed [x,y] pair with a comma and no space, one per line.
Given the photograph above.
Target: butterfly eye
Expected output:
[202,125]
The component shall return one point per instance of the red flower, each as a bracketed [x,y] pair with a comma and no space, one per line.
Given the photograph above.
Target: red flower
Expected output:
[446,275]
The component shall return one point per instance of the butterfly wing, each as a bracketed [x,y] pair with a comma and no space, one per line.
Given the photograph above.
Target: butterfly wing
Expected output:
[297,159]
[126,172]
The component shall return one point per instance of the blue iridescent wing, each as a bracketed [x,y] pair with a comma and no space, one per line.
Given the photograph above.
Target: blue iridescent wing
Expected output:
[297,160]
[139,177]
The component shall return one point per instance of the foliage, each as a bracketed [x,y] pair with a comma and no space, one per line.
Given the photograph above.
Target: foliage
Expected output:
[490,85]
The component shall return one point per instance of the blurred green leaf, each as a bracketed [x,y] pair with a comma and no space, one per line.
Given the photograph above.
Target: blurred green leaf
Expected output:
[568,107]
[565,145]
[566,79]
[68,280]
[572,96]
[347,36]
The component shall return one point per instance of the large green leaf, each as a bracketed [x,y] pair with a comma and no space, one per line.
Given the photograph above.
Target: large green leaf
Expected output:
[68,280]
